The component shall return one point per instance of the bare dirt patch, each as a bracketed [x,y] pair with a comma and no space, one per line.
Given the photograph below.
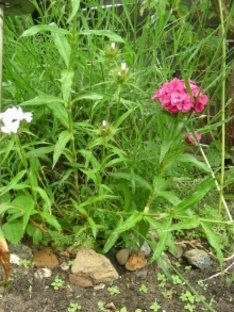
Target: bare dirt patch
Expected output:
[29,294]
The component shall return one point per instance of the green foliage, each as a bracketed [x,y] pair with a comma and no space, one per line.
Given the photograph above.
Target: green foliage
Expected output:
[101,160]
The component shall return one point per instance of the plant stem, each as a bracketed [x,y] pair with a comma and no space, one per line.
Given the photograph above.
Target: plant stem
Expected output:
[223,93]
[216,183]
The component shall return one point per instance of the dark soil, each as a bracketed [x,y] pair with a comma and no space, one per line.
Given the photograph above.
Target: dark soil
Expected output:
[28,294]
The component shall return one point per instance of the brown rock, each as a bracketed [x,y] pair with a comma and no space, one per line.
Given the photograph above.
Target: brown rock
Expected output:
[45,258]
[90,264]
[80,281]
[122,256]
[136,261]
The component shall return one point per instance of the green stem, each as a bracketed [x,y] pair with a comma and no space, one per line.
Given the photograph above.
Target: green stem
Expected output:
[216,183]
[223,90]
[24,161]
[69,112]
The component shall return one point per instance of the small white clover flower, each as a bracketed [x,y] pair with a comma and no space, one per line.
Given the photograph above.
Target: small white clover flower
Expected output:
[123,66]
[113,45]
[11,119]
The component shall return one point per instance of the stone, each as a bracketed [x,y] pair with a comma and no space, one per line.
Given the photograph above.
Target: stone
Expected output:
[178,253]
[90,264]
[43,273]
[45,258]
[14,259]
[142,273]
[80,281]
[136,261]
[122,256]
[22,251]
[198,258]
[145,249]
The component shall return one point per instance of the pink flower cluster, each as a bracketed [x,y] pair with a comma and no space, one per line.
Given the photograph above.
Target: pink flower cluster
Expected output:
[174,97]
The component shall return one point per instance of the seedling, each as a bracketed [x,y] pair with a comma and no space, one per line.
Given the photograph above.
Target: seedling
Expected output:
[189,307]
[176,280]
[202,285]
[113,290]
[25,263]
[161,278]
[101,306]
[57,283]
[74,307]
[143,289]
[155,306]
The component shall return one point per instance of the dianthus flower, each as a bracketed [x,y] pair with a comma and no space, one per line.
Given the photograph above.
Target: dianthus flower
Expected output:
[174,97]
[11,119]
[190,139]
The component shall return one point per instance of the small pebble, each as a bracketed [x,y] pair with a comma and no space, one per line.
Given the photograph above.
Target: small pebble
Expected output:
[122,256]
[43,273]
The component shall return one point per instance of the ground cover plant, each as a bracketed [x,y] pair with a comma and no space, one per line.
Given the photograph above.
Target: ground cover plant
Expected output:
[104,113]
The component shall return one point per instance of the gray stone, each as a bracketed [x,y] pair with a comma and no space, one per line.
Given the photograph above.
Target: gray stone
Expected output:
[22,251]
[122,256]
[178,252]
[90,264]
[198,258]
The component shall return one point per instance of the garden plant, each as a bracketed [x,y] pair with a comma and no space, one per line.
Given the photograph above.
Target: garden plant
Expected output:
[106,127]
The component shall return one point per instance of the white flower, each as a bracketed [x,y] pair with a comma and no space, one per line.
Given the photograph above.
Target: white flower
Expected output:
[113,45]
[104,123]
[11,119]
[123,66]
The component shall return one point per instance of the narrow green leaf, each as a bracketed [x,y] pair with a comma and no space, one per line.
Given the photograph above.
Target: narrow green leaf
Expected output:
[26,203]
[92,97]
[202,189]
[12,183]
[129,223]
[6,206]
[44,196]
[63,47]
[44,28]
[131,177]
[66,82]
[51,220]
[161,246]
[110,242]
[63,139]
[93,226]
[42,99]
[191,159]
[75,5]
[190,223]
[59,112]
[213,239]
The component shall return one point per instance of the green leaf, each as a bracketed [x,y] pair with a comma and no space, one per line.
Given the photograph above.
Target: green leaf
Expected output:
[93,226]
[64,138]
[213,239]
[106,33]
[129,223]
[63,47]
[66,82]
[75,5]
[26,203]
[123,117]
[80,209]
[202,189]
[6,206]
[173,199]
[44,28]
[190,223]
[131,177]
[51,220]
[13,231]
[12,183]
[91,96]
[42,99]
[187,158]
[44,196]
[59,112]
[110,242]
[39,152]
[161,245]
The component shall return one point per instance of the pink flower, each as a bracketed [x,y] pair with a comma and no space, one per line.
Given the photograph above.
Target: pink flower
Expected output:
[190,139]
[174,97]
